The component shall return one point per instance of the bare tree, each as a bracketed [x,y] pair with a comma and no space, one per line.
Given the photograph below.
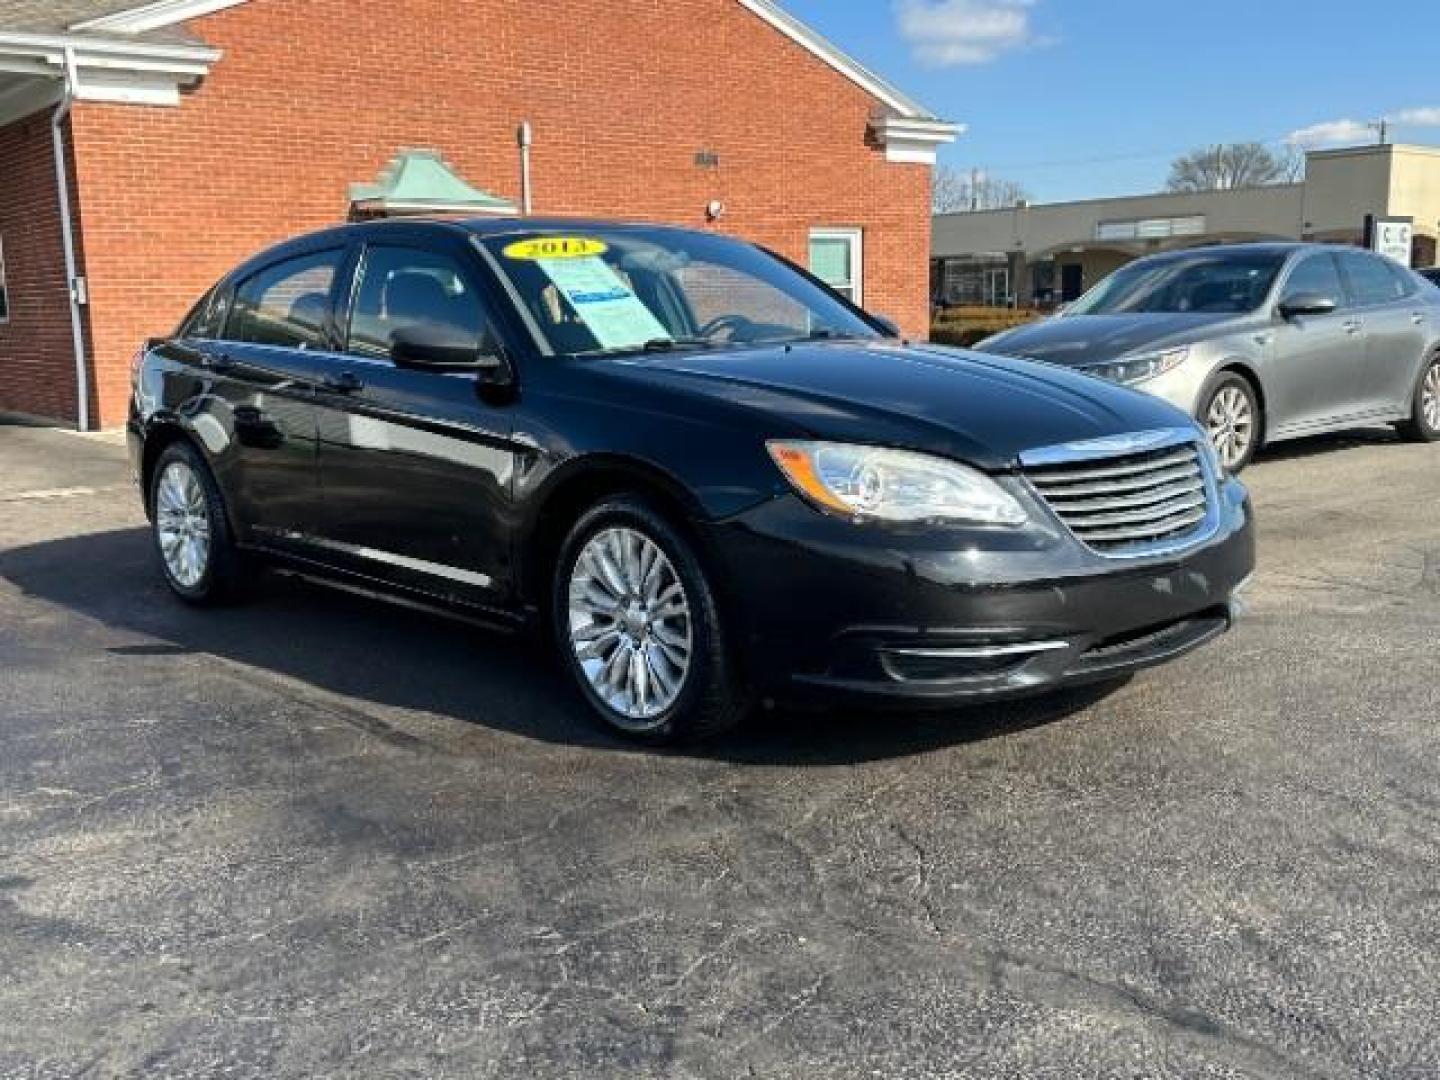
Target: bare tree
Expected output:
[955,191]
[1235,165]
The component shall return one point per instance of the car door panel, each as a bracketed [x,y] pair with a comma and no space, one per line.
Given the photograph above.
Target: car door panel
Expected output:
[416,475]
[266,401]
[1394,338]
[1318,360]
[416,466]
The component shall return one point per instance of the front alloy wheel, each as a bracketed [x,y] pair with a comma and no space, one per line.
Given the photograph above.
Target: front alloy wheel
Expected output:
[1232,421]
[638,626]
[630,625]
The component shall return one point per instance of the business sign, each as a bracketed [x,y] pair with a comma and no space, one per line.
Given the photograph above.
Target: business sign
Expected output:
[1391,236]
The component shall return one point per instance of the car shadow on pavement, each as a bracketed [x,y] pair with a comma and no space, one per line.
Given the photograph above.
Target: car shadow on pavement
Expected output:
[394,657]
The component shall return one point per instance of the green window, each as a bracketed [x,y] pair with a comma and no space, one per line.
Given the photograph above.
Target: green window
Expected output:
[836,258]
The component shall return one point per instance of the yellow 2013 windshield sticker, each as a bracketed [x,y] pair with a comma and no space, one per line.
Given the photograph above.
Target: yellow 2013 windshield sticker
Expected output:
[555,247]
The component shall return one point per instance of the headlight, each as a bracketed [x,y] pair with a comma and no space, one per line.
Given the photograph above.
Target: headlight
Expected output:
[893,485]
[1135,369]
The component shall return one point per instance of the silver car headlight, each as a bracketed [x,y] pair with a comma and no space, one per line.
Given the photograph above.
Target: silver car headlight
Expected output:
[893,485]
[1138,369]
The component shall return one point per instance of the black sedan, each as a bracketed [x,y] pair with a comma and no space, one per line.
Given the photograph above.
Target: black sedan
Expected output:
[711,479]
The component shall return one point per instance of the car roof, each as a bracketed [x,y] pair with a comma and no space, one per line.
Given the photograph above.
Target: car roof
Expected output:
[341,235]
[1271,247]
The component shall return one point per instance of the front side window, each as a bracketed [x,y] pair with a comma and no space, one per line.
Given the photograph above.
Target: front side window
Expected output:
[4,287]
[1199,283]
[1371,279]
[835,258]
[1316,275]
[286,304]
[617,290]
[406,290]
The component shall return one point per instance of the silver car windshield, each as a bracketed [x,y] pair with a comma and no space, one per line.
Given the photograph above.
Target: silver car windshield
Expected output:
[596,292]
[1209,282]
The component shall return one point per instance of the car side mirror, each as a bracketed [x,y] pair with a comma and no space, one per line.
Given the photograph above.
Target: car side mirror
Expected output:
[887,324]
[1307,304]
[426,348]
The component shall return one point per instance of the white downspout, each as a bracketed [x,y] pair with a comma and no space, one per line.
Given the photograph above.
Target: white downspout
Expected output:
[74,285]
[525,136]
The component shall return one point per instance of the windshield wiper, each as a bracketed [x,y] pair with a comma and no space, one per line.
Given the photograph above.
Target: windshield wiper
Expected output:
[666,344]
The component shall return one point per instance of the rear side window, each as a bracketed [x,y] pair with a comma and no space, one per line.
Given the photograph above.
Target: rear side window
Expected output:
[407,289]
[1316,276]
[1371,280]
[286,304]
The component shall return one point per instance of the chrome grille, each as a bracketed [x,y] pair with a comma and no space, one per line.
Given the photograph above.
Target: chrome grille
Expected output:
[1124,504]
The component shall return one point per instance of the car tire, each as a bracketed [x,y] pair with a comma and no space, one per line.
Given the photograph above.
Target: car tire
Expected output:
[1230,414]
[638,627]
[1424,422]
[191,529]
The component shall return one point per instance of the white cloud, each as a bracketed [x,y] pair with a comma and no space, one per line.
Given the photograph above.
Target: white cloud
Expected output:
[1349,132]
[950,33]
[1417,117]
[1332,133]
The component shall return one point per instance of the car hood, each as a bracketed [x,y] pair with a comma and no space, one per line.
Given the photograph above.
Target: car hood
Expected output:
[1080,340]
[982,409]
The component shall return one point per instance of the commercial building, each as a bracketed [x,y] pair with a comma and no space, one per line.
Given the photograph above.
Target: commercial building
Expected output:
[183,135]
[1054,252]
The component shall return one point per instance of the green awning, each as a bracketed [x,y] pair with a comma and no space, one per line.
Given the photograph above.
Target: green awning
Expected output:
[420,182]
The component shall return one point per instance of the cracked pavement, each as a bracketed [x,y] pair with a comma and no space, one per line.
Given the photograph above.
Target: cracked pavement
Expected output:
[317,836]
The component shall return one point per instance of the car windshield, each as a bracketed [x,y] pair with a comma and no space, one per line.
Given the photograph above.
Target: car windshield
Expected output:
[1212,282]
[593,292]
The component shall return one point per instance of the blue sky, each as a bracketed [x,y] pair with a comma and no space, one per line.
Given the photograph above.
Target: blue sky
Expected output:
[1049,87]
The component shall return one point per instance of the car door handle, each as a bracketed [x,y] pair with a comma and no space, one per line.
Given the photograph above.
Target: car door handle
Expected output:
[346,382]
[1354,326]
[1418,318]
[219,361]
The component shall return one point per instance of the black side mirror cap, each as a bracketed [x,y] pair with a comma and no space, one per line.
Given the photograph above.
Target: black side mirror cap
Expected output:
[1307,304]
[422,348]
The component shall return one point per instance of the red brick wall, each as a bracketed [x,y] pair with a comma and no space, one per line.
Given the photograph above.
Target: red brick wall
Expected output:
[622,93]
[37,356]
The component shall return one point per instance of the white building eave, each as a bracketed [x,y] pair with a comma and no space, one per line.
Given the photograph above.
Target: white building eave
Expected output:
[131,72]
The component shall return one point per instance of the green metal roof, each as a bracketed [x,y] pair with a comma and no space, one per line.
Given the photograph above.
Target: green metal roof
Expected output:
[421,181]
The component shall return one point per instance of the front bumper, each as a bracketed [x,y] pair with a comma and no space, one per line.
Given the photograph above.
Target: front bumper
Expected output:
[835,610]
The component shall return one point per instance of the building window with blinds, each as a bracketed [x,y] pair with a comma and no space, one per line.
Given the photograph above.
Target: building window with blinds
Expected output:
[837,258]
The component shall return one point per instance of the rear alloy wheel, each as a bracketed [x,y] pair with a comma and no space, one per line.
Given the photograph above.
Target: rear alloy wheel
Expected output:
[1231,417]
[1424,422]
[192,533]
[638,627]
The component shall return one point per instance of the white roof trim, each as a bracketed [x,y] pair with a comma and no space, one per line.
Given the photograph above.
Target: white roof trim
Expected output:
[153,16]
[161,13]
[133,72]
[51,48]
[842,62]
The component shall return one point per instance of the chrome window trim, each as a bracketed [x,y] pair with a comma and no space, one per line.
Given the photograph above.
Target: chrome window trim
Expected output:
[1140,442]
[983,652]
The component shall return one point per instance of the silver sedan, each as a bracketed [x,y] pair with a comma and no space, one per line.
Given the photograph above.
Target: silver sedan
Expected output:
[1259,342]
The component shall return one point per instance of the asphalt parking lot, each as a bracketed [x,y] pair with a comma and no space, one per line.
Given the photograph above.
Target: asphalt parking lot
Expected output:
[315,836]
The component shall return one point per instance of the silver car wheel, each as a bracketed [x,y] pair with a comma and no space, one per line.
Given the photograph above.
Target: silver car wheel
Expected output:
[1430,397]
[182,524]
[1231,424]
[630,626]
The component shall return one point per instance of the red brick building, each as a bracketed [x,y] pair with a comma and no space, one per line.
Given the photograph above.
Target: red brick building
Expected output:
[191,133]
